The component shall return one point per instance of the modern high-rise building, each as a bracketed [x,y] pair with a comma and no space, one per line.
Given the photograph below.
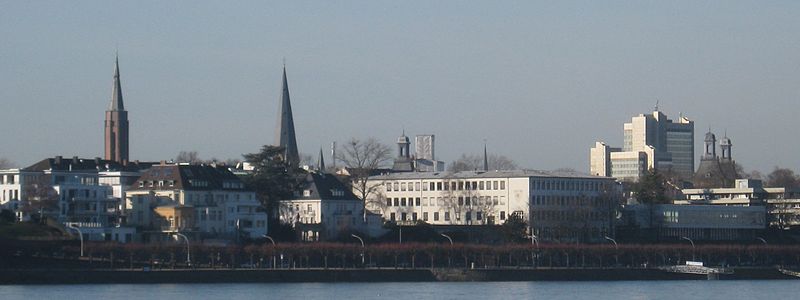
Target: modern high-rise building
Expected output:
[649,141]
[116,124]
[285,136]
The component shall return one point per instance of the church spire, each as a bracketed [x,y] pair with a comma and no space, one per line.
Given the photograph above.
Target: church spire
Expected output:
[286,136]
[116,123]
[116,92]
[321,161]
[485,158]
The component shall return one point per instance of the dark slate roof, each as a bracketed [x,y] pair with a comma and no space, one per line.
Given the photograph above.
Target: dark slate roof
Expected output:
[188,177]
[325,187]
[116,93]
[715,172]
[75,163]
[489,174]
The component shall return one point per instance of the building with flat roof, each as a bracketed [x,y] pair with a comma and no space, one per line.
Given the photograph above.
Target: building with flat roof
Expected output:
[782,205]
[559,206]
[649,141]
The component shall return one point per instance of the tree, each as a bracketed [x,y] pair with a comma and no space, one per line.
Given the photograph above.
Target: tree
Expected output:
[362,159]
[272,179]
[515,229]
[475,162]
[190,157]
[650,189]
[41,199]
[5,163]
[783,177]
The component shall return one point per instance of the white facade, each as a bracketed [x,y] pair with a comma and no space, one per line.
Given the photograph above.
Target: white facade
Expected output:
[663,143]
[782,206]
[222,205]
[555,204]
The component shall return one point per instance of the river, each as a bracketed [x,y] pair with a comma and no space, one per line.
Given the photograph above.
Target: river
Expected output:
[690,289]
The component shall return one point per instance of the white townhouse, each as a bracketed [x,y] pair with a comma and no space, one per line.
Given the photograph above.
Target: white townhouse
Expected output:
[204,199]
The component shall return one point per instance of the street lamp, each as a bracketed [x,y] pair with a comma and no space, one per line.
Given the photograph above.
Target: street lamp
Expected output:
[273,246]
[616,249]
[188,248]
[613,241]
[80,235]
[448,238]
[362,247]
[692,242]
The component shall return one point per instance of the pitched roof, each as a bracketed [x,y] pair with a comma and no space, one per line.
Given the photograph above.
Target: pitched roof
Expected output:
[188,177]
[324,187]
[286,135]
[75,163]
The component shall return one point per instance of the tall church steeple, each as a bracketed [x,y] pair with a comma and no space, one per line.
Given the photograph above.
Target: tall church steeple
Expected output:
[285,135]
[116,123]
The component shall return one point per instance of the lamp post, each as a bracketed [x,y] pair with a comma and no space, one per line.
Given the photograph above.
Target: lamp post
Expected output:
[692,242]
[188,248]
[273,246]
[616,248]
[534,242]
[448,238]
[362,247]
[80,235]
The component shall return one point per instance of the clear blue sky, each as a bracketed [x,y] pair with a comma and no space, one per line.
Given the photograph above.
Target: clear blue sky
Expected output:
[541,81]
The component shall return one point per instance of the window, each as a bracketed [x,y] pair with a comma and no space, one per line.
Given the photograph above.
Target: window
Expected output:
[502,215]
[495,185]
[396,186]
[480,185]
[425,201]
[460,201]
[417,202]
[403,186]
[392,216]
[425,216]
[468,216]
[416,186]
[502,185]
[388,187]
[396,201]
[404,216]
[425,186]
[468,202]
[447,216]
[402,201]
[436,216]
[413,216]
[478,216]
[433,186]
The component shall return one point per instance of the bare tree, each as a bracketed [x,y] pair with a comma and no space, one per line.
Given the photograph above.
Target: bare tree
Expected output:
[40,198]
[190,157]
[783,177]
[362,159]
[475,162]
[5,163]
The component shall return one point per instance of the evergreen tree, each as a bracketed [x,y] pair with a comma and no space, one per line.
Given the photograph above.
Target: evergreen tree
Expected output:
[651,188]
[273,179]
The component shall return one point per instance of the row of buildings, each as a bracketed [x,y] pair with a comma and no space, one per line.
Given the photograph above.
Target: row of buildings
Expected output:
[115,198]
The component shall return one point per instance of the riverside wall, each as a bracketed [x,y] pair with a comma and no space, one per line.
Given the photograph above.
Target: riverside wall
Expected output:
[139,276]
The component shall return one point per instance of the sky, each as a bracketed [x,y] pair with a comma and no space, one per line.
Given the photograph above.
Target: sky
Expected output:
[539,81]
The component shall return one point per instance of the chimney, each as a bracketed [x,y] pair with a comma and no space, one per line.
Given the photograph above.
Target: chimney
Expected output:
[58,160]
[163,162]
[97,161]
[75,160]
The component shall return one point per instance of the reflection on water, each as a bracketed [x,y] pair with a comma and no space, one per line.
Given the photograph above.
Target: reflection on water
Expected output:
[745,289]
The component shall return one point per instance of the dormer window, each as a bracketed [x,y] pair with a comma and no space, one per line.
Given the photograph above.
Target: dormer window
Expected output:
[306,193]
[141,183]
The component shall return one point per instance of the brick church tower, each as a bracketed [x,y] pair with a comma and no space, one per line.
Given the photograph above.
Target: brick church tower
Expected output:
[116,124]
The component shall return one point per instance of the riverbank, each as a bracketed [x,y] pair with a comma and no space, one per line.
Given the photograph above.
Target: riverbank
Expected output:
[92,276]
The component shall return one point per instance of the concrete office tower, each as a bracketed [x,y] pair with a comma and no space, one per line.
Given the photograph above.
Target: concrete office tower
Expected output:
[116,123]
[285,134]
[649,141]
